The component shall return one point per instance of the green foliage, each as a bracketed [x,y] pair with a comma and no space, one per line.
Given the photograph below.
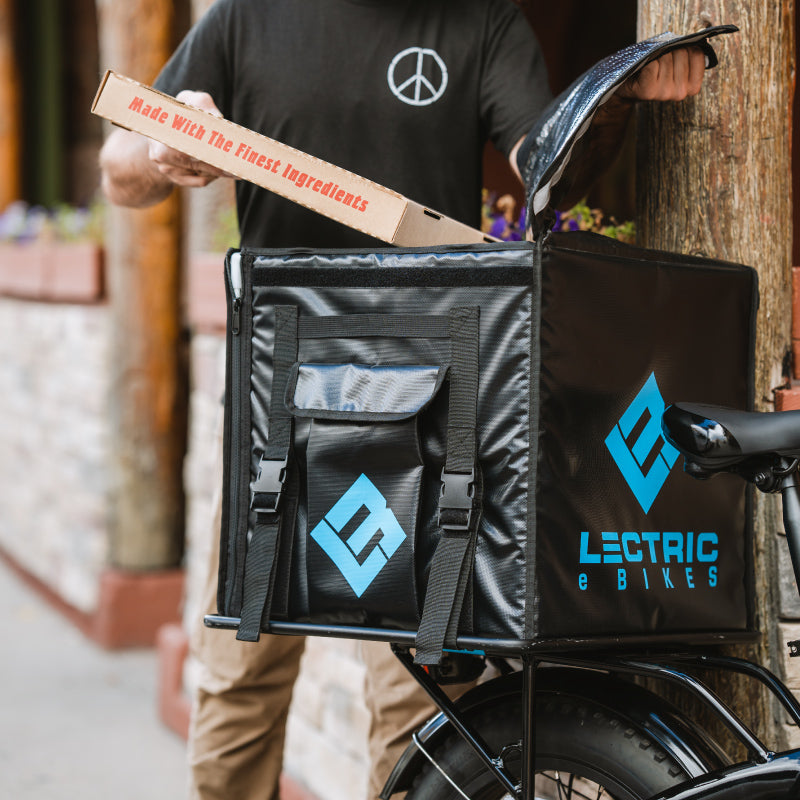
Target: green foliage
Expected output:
[582,218]
[226,231]
[500,219]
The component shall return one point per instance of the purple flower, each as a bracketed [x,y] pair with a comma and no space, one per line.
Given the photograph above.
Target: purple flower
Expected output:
[498,228]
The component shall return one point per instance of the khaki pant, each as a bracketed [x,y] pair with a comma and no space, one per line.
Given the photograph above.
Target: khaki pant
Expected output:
[242,703]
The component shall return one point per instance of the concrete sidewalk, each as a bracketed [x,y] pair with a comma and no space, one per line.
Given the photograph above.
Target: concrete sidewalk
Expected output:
[75,721]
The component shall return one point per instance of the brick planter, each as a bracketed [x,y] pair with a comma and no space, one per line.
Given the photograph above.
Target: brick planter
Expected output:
[21,270]
[68,272]
[205,292]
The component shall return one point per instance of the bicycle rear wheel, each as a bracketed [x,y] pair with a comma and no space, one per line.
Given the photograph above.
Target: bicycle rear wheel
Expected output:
[584,751]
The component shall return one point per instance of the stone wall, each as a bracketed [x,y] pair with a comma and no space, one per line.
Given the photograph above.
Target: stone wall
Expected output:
[54,443]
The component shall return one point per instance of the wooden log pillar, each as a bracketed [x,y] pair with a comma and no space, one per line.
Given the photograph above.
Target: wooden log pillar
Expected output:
[714,178]
[149,402]
[10,127]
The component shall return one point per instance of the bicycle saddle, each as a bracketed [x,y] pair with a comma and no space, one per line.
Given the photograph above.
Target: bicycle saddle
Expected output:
[715,437]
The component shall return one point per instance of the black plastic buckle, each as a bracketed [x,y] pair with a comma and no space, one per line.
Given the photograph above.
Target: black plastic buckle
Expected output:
[456,499]
[267,488]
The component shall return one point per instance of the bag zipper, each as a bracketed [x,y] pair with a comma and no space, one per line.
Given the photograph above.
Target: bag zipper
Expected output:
[236,291]
[235,278]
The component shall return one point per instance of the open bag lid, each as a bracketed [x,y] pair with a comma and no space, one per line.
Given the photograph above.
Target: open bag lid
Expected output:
[568,117]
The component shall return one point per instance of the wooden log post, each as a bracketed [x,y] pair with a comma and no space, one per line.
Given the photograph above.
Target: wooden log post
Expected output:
[714,178]
[149,399]
[10,144]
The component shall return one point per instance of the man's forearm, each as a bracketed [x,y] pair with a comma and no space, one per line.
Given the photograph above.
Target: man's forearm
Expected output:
[129,177]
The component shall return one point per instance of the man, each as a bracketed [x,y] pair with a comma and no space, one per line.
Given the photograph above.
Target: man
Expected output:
[405,93]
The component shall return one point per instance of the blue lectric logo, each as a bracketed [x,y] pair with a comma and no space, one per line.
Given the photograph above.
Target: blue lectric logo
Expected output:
[343,552]
[630,458]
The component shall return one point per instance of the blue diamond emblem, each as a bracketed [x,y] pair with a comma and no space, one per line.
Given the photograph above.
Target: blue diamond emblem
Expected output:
[631,457]
[344,552]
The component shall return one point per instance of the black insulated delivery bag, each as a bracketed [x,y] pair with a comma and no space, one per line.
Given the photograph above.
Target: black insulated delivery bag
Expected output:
[460,447]
[504,397]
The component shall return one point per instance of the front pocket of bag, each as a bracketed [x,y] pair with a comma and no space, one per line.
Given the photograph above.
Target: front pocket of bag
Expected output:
[363,479]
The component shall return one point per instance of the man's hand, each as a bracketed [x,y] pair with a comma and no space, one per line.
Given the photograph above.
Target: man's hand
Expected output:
[177,167]
[139,172]
[674,76]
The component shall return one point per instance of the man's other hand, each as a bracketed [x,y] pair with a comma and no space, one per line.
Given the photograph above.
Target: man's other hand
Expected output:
[674,76]
[179,168]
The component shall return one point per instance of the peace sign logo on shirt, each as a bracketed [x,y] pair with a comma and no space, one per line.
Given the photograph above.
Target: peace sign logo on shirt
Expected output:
[417,76]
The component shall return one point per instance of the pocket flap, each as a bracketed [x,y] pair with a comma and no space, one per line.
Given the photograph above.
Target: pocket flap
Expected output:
[361,393]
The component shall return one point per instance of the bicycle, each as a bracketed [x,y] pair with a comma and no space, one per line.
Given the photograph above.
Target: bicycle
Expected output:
[577,716]
[588,730]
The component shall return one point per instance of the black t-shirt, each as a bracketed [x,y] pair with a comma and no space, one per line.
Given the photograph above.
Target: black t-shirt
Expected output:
[403,92]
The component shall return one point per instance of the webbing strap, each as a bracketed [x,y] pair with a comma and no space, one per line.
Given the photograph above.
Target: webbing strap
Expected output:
[353,326]
[444,598]
[460,501]
[262,547]
[261,551]
[463,409]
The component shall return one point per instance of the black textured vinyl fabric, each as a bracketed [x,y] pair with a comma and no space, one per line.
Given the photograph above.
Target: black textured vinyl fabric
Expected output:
[583,523]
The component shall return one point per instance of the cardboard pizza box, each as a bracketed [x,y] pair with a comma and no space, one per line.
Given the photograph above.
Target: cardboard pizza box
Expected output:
[330,190]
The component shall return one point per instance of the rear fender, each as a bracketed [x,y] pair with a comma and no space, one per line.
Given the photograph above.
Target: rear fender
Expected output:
[688,745]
